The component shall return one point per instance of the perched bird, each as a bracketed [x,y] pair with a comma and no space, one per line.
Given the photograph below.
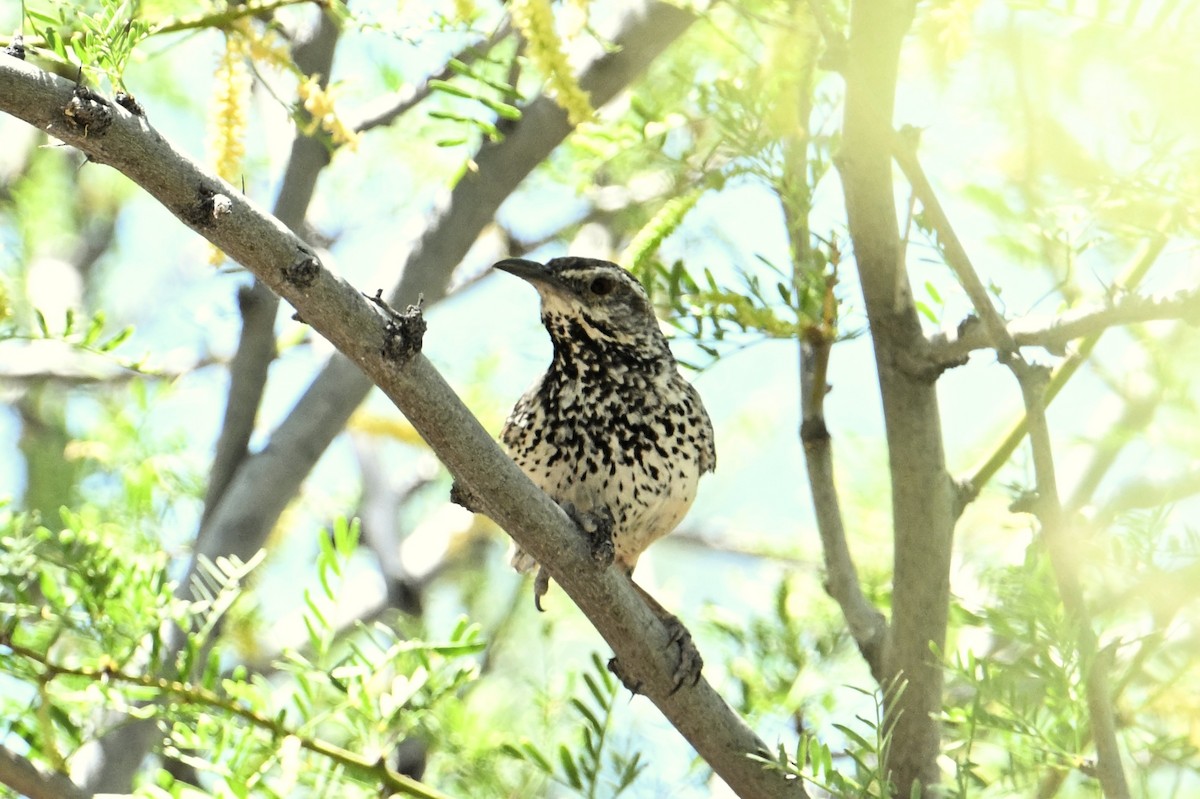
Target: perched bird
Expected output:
[611,431]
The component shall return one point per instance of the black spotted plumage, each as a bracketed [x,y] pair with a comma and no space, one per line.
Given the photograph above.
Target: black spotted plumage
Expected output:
[611,427]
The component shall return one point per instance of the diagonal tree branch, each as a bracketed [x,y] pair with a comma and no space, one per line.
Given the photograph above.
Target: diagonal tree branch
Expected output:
[389,355]
[24,777]
[122,750]
[904,149]
[387,109]
[269,479]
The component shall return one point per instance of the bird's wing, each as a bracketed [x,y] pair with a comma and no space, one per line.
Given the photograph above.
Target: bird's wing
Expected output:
[518,418]
[708,446]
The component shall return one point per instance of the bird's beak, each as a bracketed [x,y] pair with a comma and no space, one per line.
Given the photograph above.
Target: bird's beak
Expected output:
[526,270]
[539,275]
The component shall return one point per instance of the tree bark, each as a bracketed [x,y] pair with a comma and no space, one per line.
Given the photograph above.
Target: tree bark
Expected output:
[923,499]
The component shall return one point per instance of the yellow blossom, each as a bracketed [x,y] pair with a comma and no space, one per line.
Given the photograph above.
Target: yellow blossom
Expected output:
[535,21]
[318,102]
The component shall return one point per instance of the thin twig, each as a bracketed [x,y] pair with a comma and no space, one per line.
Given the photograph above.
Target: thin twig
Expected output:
[951,347]
[905,152]
[387,109]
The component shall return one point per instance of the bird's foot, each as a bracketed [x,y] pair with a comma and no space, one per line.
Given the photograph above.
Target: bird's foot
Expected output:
[633,686]
[598,526]
[687,671]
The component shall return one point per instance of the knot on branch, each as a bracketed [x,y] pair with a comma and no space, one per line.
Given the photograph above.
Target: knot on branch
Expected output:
[87,112]
[129,103]
[209,206]
[303,271]
[17,48]
[813,431]
[403,332]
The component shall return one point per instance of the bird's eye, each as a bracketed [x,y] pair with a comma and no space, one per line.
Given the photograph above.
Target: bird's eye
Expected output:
[601,285]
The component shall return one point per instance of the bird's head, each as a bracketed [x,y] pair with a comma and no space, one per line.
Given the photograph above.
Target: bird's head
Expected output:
[592,298]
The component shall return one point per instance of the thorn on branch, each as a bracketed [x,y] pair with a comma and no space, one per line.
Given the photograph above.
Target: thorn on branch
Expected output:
[404,330]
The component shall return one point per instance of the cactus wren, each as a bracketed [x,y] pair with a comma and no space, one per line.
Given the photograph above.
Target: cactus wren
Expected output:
[611,431]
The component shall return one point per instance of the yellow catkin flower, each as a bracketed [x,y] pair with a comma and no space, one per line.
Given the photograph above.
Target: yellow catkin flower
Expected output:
[318,102]
[227,120]
[267,47]
[535,21]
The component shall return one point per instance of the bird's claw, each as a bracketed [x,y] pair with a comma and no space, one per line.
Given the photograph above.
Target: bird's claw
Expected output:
[687,670]
[597,525]
[633,686]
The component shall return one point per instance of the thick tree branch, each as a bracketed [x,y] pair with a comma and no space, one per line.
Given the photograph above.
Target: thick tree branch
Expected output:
[122,750]
[108,134]
[923,502]
[24,777]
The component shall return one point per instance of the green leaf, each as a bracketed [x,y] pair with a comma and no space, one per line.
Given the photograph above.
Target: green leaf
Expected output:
[450,88]
[34,14]
[587,714]
[534,755]
[593,686]
[94,329]
[933,292]
[117,340]
[568,763]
